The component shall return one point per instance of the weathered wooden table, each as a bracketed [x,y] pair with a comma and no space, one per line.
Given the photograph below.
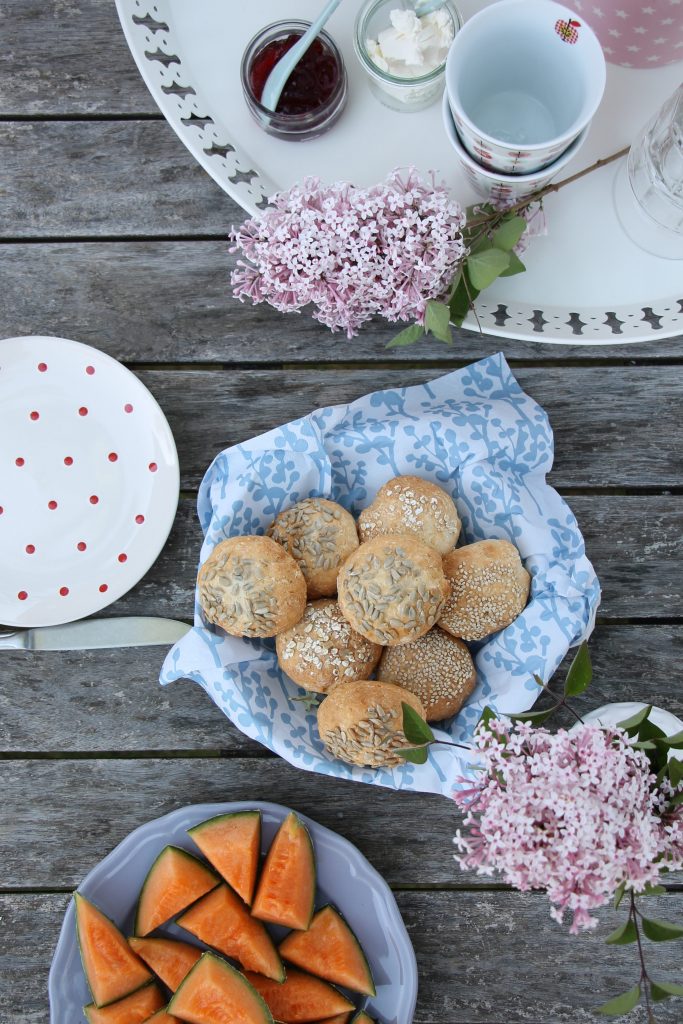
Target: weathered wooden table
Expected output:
[112,235]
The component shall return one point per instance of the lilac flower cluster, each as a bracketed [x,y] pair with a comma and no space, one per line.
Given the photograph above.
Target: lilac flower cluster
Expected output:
[352,252]
[572,814]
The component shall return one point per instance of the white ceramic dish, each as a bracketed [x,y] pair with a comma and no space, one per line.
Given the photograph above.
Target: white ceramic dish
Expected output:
[89,480]
[345,878]
[586,283]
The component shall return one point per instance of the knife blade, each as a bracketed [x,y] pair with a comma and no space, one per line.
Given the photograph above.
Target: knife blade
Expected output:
[95,634]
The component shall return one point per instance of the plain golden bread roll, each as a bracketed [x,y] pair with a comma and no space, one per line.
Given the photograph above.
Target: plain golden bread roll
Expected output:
[392,589]
[362,722]
[322,649]
[319,535]
[250,586]
[408,504]
[489,588]
[437,668]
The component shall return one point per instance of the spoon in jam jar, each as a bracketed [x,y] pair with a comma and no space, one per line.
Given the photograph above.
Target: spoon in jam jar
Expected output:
[277,79]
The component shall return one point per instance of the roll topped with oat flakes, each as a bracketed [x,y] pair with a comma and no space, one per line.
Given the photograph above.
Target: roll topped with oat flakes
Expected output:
[322,649]
[392,589]
[362,722]
[489,588]
[319,535]
[250,586]
[408,504]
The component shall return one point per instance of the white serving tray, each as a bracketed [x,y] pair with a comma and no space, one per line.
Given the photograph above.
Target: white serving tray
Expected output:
[587,283]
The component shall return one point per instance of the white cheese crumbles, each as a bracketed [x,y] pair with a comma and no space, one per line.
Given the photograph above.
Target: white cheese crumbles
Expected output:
[412,47]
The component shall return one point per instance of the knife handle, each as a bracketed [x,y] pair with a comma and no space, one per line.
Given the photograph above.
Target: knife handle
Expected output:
[12,641]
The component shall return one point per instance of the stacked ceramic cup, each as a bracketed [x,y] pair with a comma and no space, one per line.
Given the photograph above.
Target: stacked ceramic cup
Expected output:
[523,81]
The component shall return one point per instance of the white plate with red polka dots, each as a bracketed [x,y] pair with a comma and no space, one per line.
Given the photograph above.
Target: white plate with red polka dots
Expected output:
[89,480]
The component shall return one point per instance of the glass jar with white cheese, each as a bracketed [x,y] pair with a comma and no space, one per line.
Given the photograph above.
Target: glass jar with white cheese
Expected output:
[403,53]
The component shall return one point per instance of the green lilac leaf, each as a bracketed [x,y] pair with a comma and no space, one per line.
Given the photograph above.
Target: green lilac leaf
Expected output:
[416,755]
[676,771]
[438,320]
[621,1004]
[488,715]
[619,895]
[661,931]
[653,890]
[484,267]
[677,800]
[415,729]
[660,990]
[631,724]
[649,731]
[516,266]
[535,717]
[407,337]
[538,681]
[580,673]
[674,742]
[509,233]
[644,745]
[623,935]
[460,302]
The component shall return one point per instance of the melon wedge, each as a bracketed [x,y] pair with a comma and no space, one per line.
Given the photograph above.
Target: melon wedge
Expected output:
[215,993]
[232,843]
[171,961]
[300,998]
[286,889]
[362,1018]
[134,1009]
[341,1018]
[175,880]
[112,969]
[222,920]
[164,1017]
[330,950]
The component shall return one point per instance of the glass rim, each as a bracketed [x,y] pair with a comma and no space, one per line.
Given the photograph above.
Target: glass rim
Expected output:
[364,15]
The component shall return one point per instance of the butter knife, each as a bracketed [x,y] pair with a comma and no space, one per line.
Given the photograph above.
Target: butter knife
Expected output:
[93,634]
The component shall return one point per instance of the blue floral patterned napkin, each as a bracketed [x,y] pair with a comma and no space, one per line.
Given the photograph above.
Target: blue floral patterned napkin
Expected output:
[480,437]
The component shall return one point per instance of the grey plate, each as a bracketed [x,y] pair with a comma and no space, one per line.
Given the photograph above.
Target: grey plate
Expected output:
[345,878]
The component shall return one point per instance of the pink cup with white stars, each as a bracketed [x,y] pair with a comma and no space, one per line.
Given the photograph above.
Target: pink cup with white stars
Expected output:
[637,33]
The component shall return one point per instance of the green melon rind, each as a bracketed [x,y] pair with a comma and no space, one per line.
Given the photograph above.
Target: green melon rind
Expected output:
[150,875]
[371,990]
[299,824]
[78,896]
[362,1018]
[267,1015]
[93,1006]
[222,817]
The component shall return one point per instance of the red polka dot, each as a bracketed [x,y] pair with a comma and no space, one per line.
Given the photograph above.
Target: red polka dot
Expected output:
[52,505]
[103,588]
[138,519]
[112,456]
[83,411]
[81,545]
[1,510]
[153,467]
[22,595]
[68,461]
[42,367]
[19,461]
[90,370]
[63,591]
[128,407]
[30,548]
[35,415]
[93,499]
[123,558]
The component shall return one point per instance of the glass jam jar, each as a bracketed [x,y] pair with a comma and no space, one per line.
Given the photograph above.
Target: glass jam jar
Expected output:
[315,94]
[405,92]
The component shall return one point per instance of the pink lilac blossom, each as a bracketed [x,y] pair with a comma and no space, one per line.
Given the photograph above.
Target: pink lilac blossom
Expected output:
[352,252]
[572,814]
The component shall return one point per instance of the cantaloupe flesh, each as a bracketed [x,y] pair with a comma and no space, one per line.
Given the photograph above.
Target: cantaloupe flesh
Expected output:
[232,843]
[133,1009]
[286,889]
[222,920]
[215,993]
[301,998]
[362,1018]
[175,880]
[341,1018]
[330,950]
[162,1017]
[170,960]
[112,969]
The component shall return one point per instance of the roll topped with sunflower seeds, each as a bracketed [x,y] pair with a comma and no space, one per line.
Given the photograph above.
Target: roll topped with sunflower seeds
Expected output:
[408,504]
[250,586]
[362,722]
[319,535]
[392,589]
[437,668]
[323,649]
[489,588]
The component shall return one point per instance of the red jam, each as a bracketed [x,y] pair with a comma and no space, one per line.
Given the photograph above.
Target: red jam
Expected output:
[310,85]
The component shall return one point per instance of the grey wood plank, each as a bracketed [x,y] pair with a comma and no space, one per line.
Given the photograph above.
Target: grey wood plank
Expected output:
[67,57]
[608,422]
[190,315]
[483,958]
[101,701]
